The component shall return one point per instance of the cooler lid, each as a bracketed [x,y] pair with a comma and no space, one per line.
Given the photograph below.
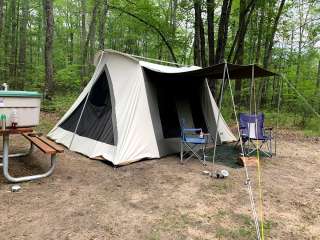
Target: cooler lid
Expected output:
[31,94]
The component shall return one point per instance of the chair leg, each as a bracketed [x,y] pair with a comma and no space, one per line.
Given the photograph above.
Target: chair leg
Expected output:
[204,155]
[181,152]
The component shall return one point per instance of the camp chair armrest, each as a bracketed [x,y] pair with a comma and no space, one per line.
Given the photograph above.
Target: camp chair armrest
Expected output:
[192,130]
[269,128]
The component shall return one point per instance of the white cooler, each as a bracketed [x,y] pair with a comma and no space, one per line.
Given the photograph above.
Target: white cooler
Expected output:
[25,103]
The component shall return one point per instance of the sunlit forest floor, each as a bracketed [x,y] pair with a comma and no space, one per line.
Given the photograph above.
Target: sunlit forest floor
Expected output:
[161,199]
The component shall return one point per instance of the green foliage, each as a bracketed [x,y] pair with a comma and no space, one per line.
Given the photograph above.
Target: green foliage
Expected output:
[131,28]
[68,78]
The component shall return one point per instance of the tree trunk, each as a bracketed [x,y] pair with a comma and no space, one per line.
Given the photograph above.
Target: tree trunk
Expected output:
[318,78]
[244,19]
[1,16]
[211,48]
[71,47]
[202,44]
[83,22]
[302,24]
[102,24]
[49,83]
[83,36]
[13,43]
[23,44]
[240,48]
[268,54]
[210,19]
[197,33]
[89,39]
[260,32]
[173,16]
[223,30]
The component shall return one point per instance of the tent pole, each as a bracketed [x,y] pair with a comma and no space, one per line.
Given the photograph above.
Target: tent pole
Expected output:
[248,181]
[258,156]
[156,60]
[251,95]
[218,120]
[278,113]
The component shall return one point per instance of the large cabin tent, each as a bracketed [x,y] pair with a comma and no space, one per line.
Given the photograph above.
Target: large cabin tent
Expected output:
[132,110]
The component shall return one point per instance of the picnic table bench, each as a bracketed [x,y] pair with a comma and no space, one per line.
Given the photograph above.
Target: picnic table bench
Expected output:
[41,142]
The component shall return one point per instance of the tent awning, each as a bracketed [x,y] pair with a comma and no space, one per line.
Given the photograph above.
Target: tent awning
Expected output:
[214,72]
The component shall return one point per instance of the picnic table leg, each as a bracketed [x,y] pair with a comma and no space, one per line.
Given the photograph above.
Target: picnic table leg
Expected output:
[25,178]
[22,154]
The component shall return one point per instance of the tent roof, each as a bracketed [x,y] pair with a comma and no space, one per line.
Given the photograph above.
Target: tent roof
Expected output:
[182,73]
[213,72]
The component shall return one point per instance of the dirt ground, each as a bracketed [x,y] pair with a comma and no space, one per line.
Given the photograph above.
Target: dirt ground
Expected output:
[161,199]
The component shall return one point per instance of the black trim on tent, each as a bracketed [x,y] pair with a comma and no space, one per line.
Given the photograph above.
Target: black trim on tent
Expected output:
[215,72]
[96,122]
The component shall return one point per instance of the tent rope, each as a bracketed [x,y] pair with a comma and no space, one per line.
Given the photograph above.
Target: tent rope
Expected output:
[258,158]
[248,181]
[277,118]
[302,97]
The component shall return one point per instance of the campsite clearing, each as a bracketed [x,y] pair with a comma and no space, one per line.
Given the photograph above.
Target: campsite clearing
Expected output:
[161,199]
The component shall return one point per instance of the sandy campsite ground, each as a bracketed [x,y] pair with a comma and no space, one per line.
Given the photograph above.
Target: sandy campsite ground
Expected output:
[161,199]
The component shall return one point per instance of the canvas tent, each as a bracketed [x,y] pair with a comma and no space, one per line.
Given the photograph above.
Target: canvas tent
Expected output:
[131,109]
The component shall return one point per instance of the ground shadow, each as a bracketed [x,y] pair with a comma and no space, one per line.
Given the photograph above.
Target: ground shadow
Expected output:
[226,155]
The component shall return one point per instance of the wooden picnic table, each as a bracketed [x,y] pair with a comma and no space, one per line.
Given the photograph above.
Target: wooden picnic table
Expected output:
[45,145]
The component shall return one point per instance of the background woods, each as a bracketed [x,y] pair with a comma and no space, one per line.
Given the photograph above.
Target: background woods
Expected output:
[49,45]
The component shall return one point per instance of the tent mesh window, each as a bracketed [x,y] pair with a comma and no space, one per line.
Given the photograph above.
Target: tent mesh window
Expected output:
[96,122]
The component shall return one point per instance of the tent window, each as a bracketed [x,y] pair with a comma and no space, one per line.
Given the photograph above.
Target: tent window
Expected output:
[100,94]
[96,122]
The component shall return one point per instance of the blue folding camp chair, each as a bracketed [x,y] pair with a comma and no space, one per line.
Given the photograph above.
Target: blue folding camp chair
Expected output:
[192,142]
[254,135]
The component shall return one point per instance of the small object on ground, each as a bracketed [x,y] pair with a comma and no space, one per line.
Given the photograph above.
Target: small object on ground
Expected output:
[206,173]
[15,188]
[247,161]
[222,174]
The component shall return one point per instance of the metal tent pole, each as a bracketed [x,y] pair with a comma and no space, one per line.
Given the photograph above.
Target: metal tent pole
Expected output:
[248,180]
[218,120]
